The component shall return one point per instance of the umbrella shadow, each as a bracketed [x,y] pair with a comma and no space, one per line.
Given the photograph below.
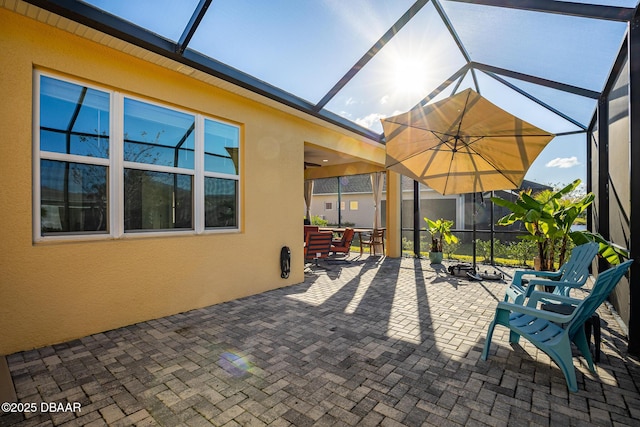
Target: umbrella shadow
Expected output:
[442,275]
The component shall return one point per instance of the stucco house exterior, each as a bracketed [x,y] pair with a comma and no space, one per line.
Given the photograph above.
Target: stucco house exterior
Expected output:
[138,187]
[138,182]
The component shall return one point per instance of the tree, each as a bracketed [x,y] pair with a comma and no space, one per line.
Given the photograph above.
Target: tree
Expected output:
[548,217]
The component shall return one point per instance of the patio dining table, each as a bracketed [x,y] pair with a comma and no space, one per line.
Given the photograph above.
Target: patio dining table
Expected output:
[358,232]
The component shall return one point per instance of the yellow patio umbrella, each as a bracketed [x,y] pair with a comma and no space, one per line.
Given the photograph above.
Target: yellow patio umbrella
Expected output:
[462,144]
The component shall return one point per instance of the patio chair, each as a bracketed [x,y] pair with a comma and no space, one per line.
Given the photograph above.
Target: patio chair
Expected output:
[317,246]
[343,245]
[551,332]
[309,229]
[376,239]
[573,274]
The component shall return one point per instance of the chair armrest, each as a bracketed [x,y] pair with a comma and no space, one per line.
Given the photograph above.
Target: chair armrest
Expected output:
[545,282]
[550,274]
[531,287]
[539,296]
[518,275]
[547,315]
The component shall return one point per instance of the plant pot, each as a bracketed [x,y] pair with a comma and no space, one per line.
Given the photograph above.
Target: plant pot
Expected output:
[435,257]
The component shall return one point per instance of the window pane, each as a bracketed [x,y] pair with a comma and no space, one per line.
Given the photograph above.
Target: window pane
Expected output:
[157,200]
[221,147]
[158,135]
[220,202]
[73,119]
[73,197]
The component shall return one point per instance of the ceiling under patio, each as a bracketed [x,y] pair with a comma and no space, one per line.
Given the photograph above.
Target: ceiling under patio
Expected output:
[354,62]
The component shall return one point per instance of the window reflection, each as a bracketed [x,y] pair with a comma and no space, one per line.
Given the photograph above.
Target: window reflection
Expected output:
[220,147]
[157,200]
[73,119]
[157,135]
[220,199]
[73,197]
[155,175]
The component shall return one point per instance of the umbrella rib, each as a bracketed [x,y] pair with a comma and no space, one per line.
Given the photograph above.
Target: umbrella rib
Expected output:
[495,167]
[456,138]
[516,135]
[464,111]
[442,142]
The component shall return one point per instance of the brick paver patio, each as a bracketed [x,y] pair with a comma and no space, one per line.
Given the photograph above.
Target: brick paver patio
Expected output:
[378,341]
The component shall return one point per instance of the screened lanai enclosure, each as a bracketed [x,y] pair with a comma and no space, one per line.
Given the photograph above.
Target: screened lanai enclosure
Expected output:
[571,68]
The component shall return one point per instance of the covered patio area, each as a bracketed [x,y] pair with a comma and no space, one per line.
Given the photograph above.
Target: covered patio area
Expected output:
[379,341]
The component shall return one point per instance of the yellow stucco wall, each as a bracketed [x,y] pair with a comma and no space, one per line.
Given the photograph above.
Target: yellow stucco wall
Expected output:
[53,292]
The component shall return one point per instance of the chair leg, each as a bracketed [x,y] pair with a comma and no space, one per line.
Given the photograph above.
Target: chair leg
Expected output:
[597,337]
[487,342]
[588,326]
[564,359]
[580,340]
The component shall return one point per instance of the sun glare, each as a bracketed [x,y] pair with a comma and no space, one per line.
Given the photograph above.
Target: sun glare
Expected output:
[409,76]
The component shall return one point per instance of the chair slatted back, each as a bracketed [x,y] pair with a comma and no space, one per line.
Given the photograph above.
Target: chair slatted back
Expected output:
[344,246]
[605,282]
[377,237]
[347,237]
[309,229]
[576,269]
[317,245]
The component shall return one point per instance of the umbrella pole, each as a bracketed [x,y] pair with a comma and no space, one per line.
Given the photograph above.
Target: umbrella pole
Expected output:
[474,231]
[416,219]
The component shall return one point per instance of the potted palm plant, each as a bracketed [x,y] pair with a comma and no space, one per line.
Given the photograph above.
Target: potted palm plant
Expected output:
[440,231]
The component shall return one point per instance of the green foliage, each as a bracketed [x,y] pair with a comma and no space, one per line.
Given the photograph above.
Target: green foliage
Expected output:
[609,251]
[440,230]
[317,220]
[450,248]
[548,217]
[483,247]
[407,245]
[522,251]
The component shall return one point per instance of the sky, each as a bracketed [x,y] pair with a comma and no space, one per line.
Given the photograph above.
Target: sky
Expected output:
[305,47]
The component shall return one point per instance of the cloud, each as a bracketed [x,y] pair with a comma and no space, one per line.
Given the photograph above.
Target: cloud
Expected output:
[350,101]
[384,99]
[369,120]
[563,162]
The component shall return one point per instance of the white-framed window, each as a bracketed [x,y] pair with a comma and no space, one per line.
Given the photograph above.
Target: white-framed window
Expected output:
[109,164]
[353,205]
[328,206]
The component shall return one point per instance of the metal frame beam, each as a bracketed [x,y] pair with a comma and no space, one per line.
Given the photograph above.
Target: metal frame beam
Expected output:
[386,37]
[536,100]
[588,93]
[191,27]
[458,75]
[582,10]
[456,38]
[97,19]
[634,176]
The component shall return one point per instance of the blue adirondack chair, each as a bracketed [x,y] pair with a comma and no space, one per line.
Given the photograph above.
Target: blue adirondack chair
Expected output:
[553,332]
[572,274]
